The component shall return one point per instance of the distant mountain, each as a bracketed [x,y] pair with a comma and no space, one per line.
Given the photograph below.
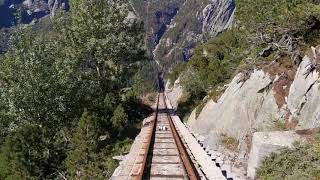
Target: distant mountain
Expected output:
[175,27]
[157,16]
[13,12]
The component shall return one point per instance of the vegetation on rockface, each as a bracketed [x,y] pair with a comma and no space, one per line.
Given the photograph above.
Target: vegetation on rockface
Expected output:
[274,19]
[213,63]
[266,31]
[10,36]
[230,143]
[176,70]
[66,96]
[300,163]
[280,125]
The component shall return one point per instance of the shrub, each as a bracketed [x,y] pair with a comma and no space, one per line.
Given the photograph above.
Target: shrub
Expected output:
[280,125]
[119,119]
[300,163]
[31,153]
[230,143]
[186,105]
[177,69]
[215,62]
[296,164]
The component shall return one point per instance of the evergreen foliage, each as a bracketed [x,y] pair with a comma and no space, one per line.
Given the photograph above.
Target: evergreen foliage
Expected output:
[81,161]
[66,97]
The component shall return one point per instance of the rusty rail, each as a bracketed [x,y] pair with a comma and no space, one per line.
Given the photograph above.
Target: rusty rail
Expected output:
[147,149]
[187,162]
[190,170]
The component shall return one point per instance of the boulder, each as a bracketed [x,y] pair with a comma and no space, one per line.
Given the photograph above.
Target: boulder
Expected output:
[265,143]
[175,93]
[304,96]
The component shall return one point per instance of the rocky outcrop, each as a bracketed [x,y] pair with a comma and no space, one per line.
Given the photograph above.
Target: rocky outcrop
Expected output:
[304,96]
[218,16]
[174,93]
[243,108]
[271,99]
[265,143]
[46,7]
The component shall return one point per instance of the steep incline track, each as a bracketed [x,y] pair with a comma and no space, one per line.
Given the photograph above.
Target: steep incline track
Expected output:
[165,149]
[165,156]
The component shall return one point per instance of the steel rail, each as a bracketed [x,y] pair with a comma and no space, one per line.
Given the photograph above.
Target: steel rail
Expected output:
[187,162]
[149,140]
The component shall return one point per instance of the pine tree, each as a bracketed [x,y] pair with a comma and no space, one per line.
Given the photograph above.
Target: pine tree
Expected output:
[81,159]
[119,119]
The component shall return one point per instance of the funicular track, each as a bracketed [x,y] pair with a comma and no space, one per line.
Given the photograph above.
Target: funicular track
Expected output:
[165,155]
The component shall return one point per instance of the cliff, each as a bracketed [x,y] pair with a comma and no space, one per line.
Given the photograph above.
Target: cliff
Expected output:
[270,99]
[195,22]
[175,27]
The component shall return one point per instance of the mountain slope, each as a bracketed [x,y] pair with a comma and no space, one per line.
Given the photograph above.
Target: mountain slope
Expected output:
[254,89]
[175,27]
[195,22]
[157,15]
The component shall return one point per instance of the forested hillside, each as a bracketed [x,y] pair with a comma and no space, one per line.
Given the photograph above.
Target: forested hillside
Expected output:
[69,93]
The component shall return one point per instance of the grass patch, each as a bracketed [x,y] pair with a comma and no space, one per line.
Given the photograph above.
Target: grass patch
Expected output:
[229,142]
[280,126]
[216,94]
[300,163]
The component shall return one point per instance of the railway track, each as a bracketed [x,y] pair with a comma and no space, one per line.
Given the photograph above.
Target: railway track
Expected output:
[164,156]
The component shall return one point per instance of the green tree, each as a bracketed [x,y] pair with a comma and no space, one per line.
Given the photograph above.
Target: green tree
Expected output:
[141,86]
[119,119]
[29,153]
[83,61]
[81,161]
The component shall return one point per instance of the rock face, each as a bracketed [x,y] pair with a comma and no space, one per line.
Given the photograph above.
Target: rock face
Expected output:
[244,107]
[304,96]
[175,27]
[157,16]
[265,143]
[249,107]
[174,93]
[194,21]
[218,16]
